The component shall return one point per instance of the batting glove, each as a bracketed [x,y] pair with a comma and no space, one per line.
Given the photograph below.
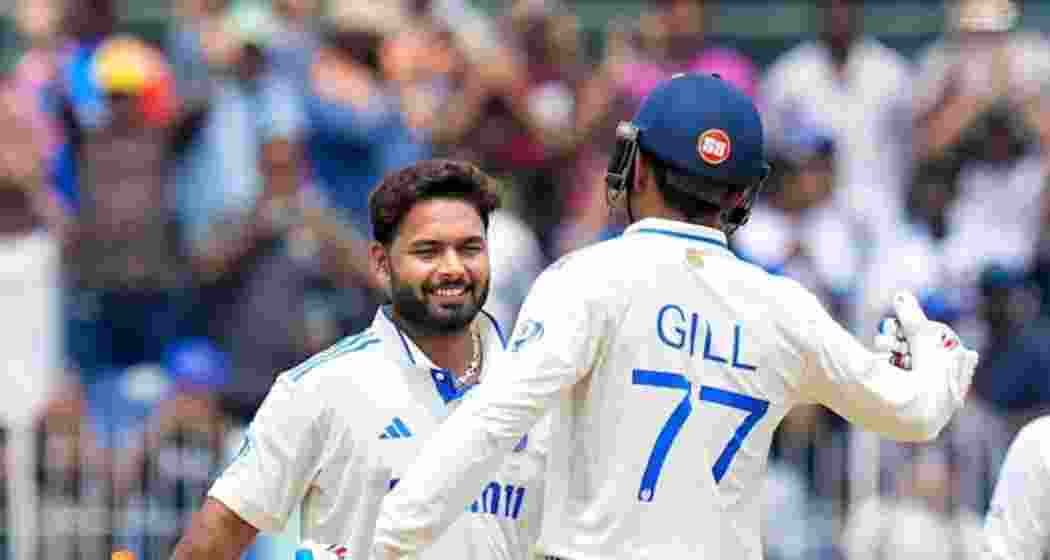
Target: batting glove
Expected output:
[911,340]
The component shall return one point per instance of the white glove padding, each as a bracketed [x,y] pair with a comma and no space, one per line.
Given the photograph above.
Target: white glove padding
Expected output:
[310,550]
[925,340]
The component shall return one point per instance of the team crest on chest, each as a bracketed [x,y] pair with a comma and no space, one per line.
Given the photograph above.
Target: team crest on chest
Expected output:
[529,331]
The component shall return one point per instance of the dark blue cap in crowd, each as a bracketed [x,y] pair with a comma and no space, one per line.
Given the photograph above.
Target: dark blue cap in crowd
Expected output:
[703,126]
[196,363]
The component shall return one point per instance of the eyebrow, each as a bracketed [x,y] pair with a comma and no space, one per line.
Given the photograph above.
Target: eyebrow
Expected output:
[426,243]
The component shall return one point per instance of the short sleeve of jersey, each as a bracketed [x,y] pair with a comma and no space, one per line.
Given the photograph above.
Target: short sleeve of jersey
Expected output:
[279,457]
[1018,522]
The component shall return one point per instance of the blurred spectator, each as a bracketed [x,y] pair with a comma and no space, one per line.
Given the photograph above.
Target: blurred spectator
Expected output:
[30,272]
[525,131]
[512,110]
[798,526]
[814,445]
[860,90]
[797,231]
[179,452]
[516,259]
[978,118]
[672,39]
[912,256]
[473,27]
[982,64]
[38,67]
[917,522]
[32,363]
[123,253]
[428,66]
[357,131]
[219,179]
[196,30]
[1040,269]
[974,443]
[296,41]
[237,183]
[74,480]
[1012,377]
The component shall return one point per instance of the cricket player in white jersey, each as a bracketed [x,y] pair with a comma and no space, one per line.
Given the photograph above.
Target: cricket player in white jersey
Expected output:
[1018,523]
[668,362]
[335,433]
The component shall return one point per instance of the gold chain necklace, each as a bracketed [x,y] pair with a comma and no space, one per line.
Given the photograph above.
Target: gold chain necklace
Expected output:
[471,373]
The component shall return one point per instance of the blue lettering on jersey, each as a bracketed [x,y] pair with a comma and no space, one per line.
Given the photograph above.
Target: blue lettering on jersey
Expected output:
[675,328]
[708,354]
[502,500]
[738,334]
[679,341]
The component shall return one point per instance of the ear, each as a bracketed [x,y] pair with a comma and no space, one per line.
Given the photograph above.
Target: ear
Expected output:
[379,261]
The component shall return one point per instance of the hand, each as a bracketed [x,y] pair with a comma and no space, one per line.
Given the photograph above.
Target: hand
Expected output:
[912,339]
[338,80]
[310,550]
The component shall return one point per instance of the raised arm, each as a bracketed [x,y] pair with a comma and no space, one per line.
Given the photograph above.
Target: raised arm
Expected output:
[215,533]
[555,345]
[862,386]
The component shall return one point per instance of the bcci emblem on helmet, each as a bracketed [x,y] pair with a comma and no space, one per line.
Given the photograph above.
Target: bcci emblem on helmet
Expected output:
[714,146]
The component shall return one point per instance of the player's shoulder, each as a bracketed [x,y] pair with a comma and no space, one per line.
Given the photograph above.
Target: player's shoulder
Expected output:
[605,269]
[1029,453]
[750,269]
[785,297]
[355,353]
[1035,437]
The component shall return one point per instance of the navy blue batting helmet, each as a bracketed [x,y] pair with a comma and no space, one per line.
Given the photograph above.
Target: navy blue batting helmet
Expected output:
[703,127]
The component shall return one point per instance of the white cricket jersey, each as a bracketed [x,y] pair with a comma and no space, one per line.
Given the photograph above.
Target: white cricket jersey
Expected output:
[335,433]
[1018,523]
[668,363]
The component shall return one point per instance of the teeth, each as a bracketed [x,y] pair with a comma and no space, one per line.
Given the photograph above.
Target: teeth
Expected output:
[450,291]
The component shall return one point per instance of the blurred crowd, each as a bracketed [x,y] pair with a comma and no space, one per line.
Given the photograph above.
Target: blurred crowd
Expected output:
[183,217]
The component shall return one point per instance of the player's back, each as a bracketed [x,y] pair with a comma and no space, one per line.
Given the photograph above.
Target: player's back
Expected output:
[660,450]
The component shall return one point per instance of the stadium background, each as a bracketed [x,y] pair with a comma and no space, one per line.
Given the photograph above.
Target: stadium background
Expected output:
[154,276]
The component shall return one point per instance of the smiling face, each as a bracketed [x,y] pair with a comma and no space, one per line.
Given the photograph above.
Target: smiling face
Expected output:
[437,266]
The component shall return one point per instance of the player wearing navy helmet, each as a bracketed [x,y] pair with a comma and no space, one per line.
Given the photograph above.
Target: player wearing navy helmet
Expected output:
[668,363]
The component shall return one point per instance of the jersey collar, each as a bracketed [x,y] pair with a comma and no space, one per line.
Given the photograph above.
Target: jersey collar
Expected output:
[404,350]
[709,238]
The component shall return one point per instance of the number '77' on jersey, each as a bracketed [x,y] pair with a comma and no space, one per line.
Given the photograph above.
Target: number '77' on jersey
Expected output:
[756,409]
